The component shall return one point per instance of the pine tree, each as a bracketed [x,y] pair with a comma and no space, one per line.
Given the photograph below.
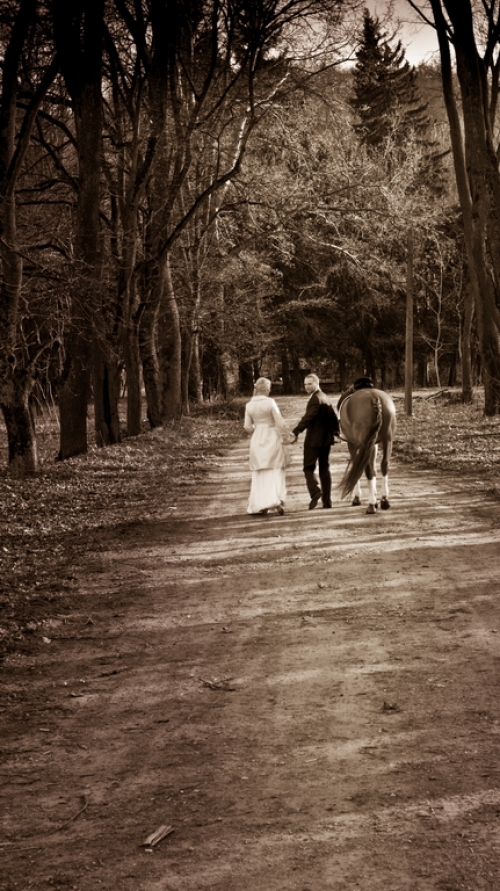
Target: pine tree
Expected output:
[392,117]
[386,98]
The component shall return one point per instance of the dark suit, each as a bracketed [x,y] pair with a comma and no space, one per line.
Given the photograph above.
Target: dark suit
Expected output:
[317,422]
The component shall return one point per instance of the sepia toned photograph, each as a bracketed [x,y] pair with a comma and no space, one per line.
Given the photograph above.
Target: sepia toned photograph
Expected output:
[249,445]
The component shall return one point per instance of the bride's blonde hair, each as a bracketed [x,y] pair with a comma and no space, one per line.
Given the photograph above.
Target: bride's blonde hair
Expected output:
[262,386]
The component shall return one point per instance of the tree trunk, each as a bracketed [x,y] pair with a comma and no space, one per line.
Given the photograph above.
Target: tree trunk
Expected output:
[187,353]
[80,49]
[106,388]
[195,371]
[246,378]
[16,382]
[343,382]
[73,395]
[74,390]
[128,331]
[487,316]
[147,334]
[191,372]
[227,366]
[478,182]
[383,375]
[16,370]
[422,371]
[369,368]
[452,370]
[285,371]
[14,403]
[490,356]
[465,348]
[133,379]
[297,375]
[228,375]
[410,288]
[171,365]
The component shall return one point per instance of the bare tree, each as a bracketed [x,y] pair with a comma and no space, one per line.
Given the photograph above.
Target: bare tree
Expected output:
[19,26]
[225,65]
[473,30]
[78,35]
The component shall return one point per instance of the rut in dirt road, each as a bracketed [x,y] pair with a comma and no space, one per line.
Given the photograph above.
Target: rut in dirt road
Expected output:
[308,701]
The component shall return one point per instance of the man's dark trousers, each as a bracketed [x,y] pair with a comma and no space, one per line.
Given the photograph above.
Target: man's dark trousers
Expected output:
[318,455]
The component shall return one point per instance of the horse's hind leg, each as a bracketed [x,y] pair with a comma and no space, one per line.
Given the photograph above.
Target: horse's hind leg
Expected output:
[371,475]
[372,495]
[356,500]
[384,500]
[356,492]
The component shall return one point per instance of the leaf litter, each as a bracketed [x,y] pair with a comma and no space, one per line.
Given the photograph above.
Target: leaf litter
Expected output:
[51,517]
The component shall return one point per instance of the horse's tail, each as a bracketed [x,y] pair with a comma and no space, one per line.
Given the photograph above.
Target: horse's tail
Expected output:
[359,460]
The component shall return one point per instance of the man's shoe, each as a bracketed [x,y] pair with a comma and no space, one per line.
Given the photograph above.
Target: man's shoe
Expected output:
[314,500]
[328,504]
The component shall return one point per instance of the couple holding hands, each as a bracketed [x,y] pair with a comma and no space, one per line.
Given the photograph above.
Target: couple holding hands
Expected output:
[268,457]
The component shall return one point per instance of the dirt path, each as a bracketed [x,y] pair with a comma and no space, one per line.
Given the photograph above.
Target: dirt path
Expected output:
[311,702]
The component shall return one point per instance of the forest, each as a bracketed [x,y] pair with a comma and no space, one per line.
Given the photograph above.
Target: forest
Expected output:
[197,192]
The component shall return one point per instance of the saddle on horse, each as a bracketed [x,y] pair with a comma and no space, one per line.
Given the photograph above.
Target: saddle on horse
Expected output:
[361,383]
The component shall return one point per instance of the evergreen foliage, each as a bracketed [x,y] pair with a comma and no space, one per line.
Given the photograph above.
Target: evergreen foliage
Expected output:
[385,95]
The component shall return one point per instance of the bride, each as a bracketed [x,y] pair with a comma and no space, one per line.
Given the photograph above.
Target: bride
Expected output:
[264,421]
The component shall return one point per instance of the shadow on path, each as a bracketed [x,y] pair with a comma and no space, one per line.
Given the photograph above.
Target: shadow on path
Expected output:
[309,701]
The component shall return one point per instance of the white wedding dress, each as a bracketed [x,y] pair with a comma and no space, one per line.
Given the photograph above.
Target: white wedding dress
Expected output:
[267,455]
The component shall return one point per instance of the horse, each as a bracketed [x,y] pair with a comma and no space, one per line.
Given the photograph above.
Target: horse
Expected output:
[367,420]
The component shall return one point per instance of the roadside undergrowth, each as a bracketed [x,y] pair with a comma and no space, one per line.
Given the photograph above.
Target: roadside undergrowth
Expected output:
[443,433]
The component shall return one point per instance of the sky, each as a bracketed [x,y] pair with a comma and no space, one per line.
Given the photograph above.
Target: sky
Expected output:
[419,40]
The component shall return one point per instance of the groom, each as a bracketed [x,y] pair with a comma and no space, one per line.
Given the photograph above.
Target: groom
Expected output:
[321,424]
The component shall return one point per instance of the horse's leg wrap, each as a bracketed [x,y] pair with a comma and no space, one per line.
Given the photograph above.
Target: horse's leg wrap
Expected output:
[385,487]
[372,489]
[384,500]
